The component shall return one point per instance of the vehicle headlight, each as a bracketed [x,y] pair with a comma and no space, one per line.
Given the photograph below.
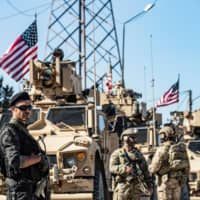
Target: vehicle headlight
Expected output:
[69,162]
[81,156]
[86,170]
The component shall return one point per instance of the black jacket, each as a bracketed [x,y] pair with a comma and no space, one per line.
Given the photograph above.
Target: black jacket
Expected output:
[15,141]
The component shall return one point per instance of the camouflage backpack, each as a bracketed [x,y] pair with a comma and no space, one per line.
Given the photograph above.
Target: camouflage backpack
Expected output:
[178,159]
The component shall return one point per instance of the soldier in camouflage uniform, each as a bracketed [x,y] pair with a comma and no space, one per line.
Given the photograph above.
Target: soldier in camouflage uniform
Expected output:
[21,153]
[170,178]
[131,179]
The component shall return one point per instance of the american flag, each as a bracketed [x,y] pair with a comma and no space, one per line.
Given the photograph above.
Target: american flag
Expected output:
[15,61]
[109,81]
[171,96]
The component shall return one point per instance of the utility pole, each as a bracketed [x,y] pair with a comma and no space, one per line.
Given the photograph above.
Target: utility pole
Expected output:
[82,44]
[147,8]
[71,29]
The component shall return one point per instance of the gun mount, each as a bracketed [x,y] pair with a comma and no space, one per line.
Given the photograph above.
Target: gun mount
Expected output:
[126,102]
[50,82]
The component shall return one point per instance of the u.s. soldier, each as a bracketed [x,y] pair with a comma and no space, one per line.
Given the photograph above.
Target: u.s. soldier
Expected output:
[131,179]
[170,164]
[25,163]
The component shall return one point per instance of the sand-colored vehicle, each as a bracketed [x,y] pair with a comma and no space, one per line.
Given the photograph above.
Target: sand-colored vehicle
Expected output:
[76,134]
[137,115]
[191,124]
[188,128]
[194,156]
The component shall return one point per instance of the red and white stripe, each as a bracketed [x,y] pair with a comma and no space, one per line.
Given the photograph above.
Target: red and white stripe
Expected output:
[15,60]
[109,83]
[170,97]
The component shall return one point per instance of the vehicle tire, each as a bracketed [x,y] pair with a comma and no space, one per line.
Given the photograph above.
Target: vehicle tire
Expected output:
[100,187]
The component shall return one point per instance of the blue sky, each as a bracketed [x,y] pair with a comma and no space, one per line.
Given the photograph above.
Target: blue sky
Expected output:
[174,26]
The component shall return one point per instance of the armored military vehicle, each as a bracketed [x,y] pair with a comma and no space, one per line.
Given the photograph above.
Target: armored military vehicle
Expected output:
[133,113]
[187,125]
[77,136]
[191,124]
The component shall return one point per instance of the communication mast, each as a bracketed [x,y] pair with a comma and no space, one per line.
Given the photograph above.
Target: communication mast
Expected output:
[71,27]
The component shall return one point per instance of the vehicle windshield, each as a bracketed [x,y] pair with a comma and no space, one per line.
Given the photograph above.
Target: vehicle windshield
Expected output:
[6,116]
[194,146]
[142,136]
[35,114]
[69,116]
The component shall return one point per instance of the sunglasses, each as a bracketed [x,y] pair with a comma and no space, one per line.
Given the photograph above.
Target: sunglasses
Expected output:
[24,107]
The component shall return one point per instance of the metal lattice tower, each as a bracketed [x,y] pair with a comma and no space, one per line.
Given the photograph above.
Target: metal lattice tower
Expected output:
[85,30]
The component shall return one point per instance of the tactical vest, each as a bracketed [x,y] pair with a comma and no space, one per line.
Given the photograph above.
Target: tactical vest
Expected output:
[178,158]
[134,157]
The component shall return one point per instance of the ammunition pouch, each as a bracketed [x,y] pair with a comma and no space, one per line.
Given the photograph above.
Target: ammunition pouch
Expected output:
[132,178]
[179,175]
[120,179]
[117,179]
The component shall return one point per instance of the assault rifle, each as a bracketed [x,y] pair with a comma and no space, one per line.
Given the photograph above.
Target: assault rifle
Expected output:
[137,174]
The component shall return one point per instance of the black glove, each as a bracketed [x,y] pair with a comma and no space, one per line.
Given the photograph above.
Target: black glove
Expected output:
[44,164]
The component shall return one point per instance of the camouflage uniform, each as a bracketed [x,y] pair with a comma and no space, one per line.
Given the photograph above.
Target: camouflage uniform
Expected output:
[128,187]
[169,181]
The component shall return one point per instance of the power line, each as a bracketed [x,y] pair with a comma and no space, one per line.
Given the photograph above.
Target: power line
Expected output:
[23,12]
[15,8]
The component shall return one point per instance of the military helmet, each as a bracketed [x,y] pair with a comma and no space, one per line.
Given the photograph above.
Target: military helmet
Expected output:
[129,132]
[119,83]
[168,131]
[58,53]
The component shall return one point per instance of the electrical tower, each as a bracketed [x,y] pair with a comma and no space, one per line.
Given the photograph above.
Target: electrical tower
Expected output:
[85,30]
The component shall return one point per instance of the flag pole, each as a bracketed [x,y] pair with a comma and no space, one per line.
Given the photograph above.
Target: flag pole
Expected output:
[153,93]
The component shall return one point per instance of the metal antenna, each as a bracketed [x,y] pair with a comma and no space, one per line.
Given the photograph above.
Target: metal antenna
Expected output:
[153,90]
[71,29]
[145,85]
